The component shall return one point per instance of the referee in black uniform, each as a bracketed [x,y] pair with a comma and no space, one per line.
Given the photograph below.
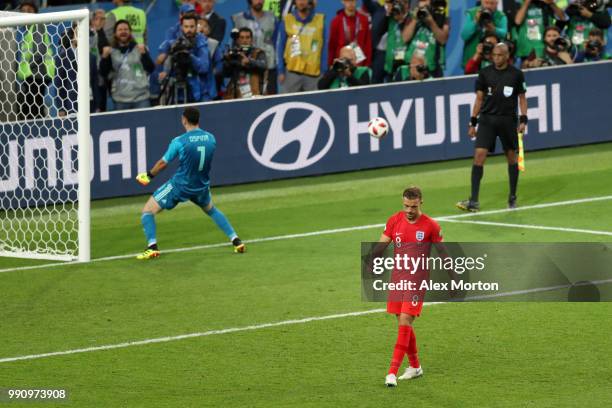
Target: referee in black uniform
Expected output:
[499,89]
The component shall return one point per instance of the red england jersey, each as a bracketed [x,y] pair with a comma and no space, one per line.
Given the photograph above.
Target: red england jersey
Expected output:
[414,240]
[400,230]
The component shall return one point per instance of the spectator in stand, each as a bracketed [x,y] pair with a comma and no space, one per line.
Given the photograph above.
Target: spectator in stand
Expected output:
[483,57]
[379,17]
[216,60]
[127,66]
[594,48]
[97,42]
[215,21]
[196,5]
[66,79]
[350,27]
[300,48]
[133,15]
[531,21]
[344,72]
[279,8]
[36,65]
[479,20]
[582,19]
[264,26]
[426,34]
[556,50]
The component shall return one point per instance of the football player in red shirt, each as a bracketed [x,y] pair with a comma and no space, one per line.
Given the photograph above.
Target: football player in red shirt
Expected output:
[410,229]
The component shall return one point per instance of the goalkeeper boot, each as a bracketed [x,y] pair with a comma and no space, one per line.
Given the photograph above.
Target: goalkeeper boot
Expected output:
[411,373]
[239,247]
[151,252]
[391,380]
[468,205]
[512,202]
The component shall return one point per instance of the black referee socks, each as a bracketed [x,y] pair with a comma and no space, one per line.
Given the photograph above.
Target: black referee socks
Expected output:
[477,172]
[513,174]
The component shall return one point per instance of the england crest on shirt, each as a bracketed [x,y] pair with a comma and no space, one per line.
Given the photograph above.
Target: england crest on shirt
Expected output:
[420,235]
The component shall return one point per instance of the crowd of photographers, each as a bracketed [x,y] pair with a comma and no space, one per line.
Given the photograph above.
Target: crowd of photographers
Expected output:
[277,46]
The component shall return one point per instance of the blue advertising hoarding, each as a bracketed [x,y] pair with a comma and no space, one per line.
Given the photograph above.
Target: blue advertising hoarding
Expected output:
[325,132]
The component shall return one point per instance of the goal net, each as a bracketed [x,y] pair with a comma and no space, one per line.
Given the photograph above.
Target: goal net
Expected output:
[44,135]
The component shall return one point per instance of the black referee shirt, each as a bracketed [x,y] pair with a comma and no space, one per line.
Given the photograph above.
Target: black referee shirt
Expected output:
[501,90]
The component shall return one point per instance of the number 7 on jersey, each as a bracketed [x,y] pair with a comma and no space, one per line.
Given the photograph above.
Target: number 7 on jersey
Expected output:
[202,150]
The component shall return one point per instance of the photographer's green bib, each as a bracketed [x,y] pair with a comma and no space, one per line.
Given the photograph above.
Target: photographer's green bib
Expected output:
[530,34]
[342,83]
[396,48]
[578,31]
[425,44]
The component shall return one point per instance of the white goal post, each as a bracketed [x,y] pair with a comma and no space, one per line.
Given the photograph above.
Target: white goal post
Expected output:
[45,147]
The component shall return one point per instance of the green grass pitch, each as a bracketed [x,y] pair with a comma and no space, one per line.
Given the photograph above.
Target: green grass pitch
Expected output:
[474,354]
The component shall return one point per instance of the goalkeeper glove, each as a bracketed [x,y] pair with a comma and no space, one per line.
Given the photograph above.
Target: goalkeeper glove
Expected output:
[144,178]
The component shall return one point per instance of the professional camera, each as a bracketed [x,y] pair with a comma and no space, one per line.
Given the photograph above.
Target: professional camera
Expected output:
[574,9]
[594,46]
[486,17]
[398,8]
[181,57]
[422,13]
[562,44]
[341,64]
[487,48]
[423,70]
[235,52]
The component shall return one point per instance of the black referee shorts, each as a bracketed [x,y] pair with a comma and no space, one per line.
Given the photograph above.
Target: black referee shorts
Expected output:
[491,126]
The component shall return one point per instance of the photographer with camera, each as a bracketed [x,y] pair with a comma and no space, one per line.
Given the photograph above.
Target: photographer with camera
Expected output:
[245,65]
[594,48]
[584,15]
[264,26]
[478,21]
[483,57]
[416,71]
[127,66]
[426,34]
[184,76]
[395,51]
[344,72]
[556,50]
[530,22]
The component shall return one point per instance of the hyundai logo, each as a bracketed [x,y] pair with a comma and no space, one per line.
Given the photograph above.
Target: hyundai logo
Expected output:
[308,134]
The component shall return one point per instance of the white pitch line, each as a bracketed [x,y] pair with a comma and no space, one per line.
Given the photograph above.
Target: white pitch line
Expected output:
[273,324]
[191,335]
[531,207]
[313,233]
[530,226]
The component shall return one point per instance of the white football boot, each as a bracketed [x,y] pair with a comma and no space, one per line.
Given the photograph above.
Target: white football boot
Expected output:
[411,373]
[391,380]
